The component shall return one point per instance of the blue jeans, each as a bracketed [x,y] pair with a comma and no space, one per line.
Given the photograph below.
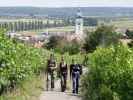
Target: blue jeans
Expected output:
[75,79]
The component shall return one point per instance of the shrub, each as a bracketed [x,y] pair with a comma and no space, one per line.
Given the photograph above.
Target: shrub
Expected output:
[103,36]
[110,75]
[53,42]
[130,44]
[129,33]
[18,61]
[72,47]
[61,45]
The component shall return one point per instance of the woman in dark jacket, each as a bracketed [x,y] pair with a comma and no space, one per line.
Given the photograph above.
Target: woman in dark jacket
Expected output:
[63,74]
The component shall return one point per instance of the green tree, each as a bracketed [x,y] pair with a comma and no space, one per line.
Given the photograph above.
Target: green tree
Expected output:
[17,62]
[130,44]
[129,33]
[60,44]
[103,36]
[53,42]
[72,47]
[110,74]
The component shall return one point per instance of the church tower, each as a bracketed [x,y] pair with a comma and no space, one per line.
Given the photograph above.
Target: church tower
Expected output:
[79,24]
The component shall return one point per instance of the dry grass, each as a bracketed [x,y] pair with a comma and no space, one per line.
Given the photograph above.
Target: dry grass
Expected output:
[29,90]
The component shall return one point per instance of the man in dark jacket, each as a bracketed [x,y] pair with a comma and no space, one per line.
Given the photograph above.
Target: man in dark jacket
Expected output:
[75,72]
[63,74]
[51,67]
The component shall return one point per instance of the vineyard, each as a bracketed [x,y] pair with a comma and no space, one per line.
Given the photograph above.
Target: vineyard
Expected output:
[17,62]
[110,75]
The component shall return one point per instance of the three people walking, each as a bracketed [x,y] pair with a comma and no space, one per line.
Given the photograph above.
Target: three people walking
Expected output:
[75,72]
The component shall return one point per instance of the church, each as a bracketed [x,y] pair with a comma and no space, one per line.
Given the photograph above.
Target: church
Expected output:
[78,32]
[79,23]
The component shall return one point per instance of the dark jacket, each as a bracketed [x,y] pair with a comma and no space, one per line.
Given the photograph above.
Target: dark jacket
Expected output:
[63,69]
[51,65]
[75,68]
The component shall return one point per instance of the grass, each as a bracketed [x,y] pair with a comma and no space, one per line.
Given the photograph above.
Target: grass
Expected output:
[54,29]
[123,24]
[30,89]
[57,29]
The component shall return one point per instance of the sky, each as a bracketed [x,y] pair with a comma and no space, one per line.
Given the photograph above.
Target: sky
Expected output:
[66,3]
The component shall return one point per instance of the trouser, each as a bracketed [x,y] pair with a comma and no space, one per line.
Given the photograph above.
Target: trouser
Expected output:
[63,82]
[50,77]
[75,79]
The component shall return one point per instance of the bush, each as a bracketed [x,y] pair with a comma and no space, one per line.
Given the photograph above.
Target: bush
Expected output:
[53,42]
[129,33]
[18,61]
[110,75]
[72,47]
[61,45]
[103,36]
[130,44]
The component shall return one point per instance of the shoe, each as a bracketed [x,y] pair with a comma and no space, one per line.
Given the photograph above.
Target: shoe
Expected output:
[73,91]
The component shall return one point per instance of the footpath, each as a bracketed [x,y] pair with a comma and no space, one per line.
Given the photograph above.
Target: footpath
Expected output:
[57,95]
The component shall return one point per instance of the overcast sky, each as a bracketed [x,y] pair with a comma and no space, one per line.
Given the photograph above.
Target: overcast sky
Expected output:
[66,3]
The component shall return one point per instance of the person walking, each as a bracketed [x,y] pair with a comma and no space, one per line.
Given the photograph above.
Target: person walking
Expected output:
[51,67]
[75,72]
[63,74]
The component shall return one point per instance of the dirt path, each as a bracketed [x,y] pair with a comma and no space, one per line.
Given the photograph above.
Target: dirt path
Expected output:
[57,95]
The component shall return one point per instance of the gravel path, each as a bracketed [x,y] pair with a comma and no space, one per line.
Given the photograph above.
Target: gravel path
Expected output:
[57,95]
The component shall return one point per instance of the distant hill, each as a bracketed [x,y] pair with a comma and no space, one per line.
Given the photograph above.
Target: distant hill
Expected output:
[67,12]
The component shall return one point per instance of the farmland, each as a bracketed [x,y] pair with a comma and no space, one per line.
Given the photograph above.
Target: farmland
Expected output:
[59,25]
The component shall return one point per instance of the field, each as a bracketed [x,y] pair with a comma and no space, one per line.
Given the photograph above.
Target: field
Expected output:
[121,24]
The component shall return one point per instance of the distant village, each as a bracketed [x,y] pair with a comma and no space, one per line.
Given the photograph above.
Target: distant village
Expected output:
[40,38]
[37,39]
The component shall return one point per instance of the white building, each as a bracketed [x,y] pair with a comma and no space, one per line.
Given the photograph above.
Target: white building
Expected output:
[79,24]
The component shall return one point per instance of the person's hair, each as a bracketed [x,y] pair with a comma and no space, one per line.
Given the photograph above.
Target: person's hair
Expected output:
[62,57]
[51,56]
[73,60]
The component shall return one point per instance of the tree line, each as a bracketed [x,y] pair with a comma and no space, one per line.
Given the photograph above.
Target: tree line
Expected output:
[32,25]
[37,24]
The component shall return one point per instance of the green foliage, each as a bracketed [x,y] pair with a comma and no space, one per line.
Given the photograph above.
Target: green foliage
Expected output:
[53,42]
[130,44]
[72,48]
[110,75]
[59,44]
[17,62]
[103,36]
[129,34]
